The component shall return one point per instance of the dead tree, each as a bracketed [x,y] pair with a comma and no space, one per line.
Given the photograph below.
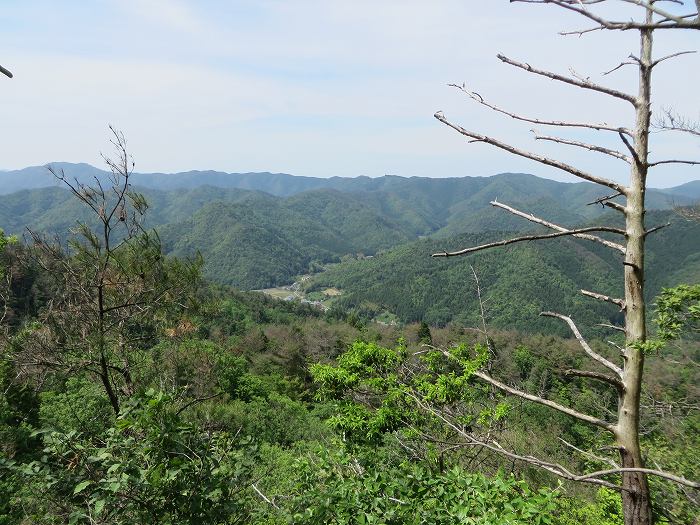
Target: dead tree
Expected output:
[627,199]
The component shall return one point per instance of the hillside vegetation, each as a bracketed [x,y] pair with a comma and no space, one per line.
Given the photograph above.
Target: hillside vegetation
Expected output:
[263,230]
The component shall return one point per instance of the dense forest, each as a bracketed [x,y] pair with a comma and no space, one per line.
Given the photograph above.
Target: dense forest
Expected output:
[265,230]
[134,390]
[222,348]
[406,282]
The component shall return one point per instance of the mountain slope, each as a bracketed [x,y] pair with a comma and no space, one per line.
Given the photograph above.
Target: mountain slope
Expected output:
[518,281]
[244,231]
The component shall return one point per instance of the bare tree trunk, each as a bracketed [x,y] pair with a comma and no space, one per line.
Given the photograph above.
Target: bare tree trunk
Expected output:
[104,367]
[636,501]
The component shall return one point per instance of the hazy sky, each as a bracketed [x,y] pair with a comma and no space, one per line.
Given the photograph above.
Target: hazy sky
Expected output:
[317,88]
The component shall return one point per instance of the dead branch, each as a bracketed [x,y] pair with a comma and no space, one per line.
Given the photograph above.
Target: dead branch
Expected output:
[597,376]
[670,121]
[673,55]
[674,161]
[609,461]
[553,468]
[518,239]
[582,83]
[619,66]
[535,399]
[264,498]
[532,218]
[671,477]
[606,201]
[606,298]
[590,147]
[532,156]
[584,344]
[657,228]
[598,127]
[546,402]
[690,21]
[612,327]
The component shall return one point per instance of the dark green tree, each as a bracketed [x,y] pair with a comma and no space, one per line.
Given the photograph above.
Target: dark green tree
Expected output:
[424,335]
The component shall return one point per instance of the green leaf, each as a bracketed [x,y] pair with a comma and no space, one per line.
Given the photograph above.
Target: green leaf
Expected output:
[81,486]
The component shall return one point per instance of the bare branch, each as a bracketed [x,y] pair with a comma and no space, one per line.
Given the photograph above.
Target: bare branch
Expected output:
[657,228]
[673,55]
[655,9]
[631,149]
[197,400]
[671,477]
[601,200]
[553,468]
[591,147]
[546,402]
[606,201]
[552,226]
[607,299]
[598,127]
[518,239]
[590,454]
[674,161]
[595,356]
[691,21]
[612,327]
[597,376]
[533,156]
[670,121]
[620,65]
[582,83]
[264,498]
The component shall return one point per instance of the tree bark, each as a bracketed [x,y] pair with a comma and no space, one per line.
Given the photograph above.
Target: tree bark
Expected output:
[636,500]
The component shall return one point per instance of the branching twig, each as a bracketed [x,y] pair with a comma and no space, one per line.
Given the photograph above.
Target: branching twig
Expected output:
[584,344]
[582,83]
[532,156]
[557,123]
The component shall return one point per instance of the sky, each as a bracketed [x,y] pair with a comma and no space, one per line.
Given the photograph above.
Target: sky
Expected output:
[320,88]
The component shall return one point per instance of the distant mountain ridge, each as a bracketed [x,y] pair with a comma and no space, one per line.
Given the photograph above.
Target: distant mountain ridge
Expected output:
[279,184]
[262,229]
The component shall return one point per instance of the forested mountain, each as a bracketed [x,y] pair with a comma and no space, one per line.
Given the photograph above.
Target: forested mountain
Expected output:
[520,281]
[259,230]
[264,241]
[197,403]
[424,192]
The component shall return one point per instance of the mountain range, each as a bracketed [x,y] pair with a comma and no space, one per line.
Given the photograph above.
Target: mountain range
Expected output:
[258,230]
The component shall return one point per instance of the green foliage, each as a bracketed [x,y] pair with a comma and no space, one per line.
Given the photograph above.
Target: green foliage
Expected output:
[150,467]
[6,239]
[605,510]
[256,240]
[379,390]
[337,489]
[80,404]
[407,282]
[678,312]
